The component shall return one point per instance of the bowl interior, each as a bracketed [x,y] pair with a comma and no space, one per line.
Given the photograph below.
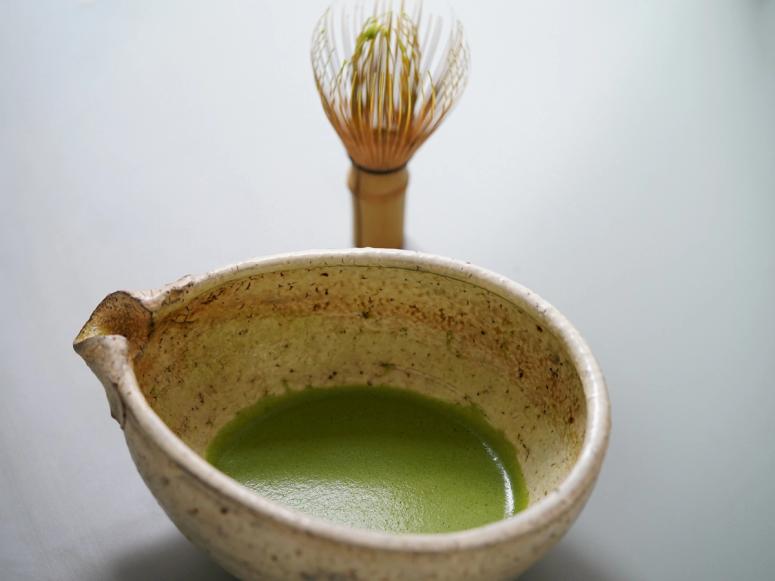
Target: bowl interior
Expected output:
[264,333]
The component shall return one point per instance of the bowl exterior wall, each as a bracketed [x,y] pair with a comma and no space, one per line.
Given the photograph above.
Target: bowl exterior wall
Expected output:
[252,546]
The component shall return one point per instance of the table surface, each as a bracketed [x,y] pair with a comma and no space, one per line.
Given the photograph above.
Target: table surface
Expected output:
[616,157]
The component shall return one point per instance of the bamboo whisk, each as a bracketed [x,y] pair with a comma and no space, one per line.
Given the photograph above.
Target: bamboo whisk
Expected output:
[387,77]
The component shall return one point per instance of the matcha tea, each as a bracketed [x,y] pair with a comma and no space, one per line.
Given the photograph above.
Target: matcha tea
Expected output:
[373,457]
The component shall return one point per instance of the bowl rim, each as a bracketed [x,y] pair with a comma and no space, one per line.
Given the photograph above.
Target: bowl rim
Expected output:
[567,495]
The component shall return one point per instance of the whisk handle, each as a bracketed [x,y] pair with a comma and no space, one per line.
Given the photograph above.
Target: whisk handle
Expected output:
[378,207]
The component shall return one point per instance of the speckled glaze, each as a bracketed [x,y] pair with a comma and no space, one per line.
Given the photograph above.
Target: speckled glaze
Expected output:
[177,363]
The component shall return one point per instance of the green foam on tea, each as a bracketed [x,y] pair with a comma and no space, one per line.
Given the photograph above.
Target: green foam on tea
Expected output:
[374,457]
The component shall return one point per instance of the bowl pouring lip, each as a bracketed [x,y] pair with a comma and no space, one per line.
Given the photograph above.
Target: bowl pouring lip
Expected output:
[571,491]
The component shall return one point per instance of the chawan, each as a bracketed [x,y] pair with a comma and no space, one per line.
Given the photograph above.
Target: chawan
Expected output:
[179,362]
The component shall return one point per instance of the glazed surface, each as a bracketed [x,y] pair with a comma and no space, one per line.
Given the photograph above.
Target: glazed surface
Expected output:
[214,352]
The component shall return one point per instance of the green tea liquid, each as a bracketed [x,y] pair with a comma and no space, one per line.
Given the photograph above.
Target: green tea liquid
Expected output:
[373,457]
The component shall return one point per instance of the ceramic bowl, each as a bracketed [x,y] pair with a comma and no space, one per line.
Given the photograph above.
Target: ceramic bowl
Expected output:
[179,362]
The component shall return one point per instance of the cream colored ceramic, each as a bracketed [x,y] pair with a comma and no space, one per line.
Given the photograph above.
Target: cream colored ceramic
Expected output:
[177,363]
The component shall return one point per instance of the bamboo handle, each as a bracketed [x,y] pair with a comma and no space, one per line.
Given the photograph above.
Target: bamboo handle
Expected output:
[378,207]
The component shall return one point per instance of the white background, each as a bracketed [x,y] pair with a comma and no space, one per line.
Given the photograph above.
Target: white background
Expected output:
[617,157]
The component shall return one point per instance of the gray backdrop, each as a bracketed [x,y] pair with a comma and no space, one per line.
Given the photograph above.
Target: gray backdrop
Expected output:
[616,157]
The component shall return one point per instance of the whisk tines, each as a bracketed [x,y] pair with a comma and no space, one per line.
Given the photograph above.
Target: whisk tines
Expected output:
[387,77]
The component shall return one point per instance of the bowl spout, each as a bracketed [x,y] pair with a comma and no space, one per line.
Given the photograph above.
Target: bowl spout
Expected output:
[113,335]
